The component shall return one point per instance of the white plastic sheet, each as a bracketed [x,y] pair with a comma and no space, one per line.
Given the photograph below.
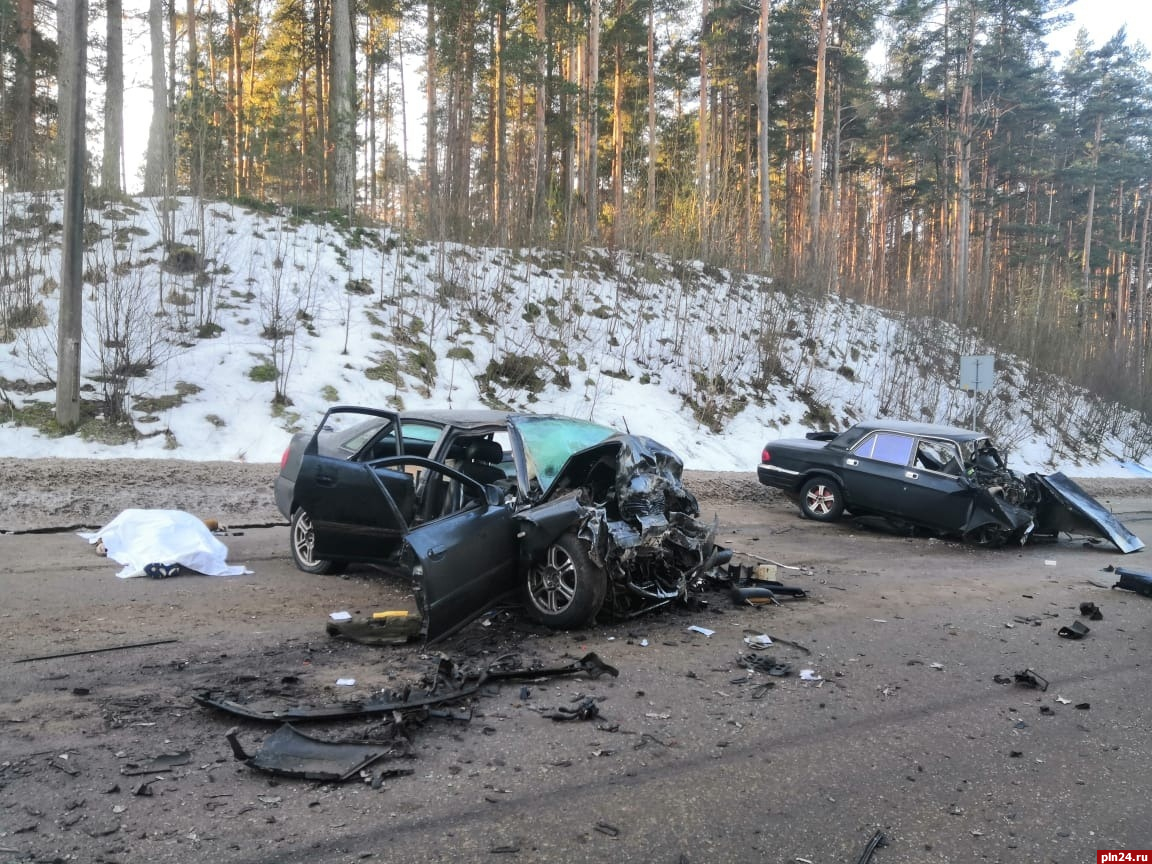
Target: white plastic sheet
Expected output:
[137,538]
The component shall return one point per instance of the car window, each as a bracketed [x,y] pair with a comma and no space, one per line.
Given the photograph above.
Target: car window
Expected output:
[549,441]
[937,455]
[420,431]
[886,447]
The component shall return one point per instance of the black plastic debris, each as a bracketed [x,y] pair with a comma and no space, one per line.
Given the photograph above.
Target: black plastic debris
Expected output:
[766,664]
[1134,580]
[289,753]
[163,762]
[877,841]
[766,592]
[586,709]
[1029,678]
[1082,706]
[1091,611]
[450,686]
[1075,630]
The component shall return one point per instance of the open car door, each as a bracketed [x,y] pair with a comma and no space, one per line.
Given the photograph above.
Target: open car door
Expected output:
[357,508]
[463,554]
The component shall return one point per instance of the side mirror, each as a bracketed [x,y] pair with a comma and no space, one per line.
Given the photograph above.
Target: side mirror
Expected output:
[494,496]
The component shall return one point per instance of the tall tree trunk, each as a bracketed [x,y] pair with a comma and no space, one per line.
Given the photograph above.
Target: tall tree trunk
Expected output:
[498,108]
[650,192]
[763,168]
[156,161]
[815,180]
[703,170]
[592,178]
[342,103]
[540,155]
[431,129]
[618,134]
[198,120]
[236,98]
[964,133]
[110,173]
[1089,219]
[20,167]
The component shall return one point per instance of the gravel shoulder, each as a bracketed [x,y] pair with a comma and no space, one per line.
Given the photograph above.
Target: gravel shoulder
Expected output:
[40,494]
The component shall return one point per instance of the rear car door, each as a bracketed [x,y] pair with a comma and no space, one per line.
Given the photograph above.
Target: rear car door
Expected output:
[353,504]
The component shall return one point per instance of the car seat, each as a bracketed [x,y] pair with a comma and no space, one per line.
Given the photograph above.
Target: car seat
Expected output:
[482,461]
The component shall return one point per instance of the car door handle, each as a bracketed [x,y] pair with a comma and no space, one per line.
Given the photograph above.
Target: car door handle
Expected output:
[325,480]
[911,475]
[435,554]
[851,461]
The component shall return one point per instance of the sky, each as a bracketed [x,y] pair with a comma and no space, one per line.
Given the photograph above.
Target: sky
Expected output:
[621,364]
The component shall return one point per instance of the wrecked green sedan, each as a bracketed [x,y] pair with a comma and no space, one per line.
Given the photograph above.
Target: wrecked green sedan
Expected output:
[478,507]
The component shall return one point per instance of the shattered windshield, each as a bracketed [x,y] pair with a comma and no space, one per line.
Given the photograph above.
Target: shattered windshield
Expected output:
[549,441]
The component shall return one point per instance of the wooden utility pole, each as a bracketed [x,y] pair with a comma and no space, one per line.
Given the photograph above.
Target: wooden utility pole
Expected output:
[70,325]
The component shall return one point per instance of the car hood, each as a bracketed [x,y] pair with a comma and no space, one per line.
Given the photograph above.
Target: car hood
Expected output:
[635,471]
[1064,506]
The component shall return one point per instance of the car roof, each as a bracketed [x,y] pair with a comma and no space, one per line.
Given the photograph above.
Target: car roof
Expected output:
[465,419]
[933,430]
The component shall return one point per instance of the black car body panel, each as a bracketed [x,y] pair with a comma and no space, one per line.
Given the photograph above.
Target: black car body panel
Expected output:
[464,533]
[1067,507]
[946,479]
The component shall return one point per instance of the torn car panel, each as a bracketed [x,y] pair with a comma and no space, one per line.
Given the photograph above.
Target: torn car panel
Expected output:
[1064,506]
[290,753]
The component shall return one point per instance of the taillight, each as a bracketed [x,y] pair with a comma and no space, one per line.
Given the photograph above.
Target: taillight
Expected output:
[765,456]
[284,458]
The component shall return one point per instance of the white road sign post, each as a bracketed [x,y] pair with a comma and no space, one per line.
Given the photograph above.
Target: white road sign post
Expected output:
[977,372]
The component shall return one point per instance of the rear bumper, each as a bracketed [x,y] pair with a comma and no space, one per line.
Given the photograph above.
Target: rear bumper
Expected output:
[284,489]
[781,478]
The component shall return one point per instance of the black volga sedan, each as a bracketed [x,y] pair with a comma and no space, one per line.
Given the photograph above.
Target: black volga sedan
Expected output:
[948,480]
[479,506]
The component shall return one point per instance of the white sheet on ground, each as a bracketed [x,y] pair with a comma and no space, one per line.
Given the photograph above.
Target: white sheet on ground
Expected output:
[137,538]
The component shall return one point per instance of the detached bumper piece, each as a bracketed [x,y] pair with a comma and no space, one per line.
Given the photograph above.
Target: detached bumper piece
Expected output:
[1134,580]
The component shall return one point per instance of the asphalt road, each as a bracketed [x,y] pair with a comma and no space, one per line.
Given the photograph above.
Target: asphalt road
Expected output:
[693,758]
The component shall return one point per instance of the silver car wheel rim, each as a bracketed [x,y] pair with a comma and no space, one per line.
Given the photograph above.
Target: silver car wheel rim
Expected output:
[552,583]
[303,539]
[820,500]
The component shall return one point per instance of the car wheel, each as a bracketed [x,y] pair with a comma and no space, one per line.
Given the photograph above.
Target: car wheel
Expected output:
[565,589]
[303,544]
[822,499]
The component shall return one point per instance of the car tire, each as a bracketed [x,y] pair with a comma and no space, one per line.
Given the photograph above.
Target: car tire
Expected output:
[302,541]
[822,499]
[565,589]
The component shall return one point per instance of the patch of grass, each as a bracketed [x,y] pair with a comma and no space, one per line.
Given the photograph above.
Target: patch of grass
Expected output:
[93,425]
[263,372]
[387,370]
[329,393]
[153,404]
[216,421]
[360,287]
[515,371]
[461,352]
[209,331]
